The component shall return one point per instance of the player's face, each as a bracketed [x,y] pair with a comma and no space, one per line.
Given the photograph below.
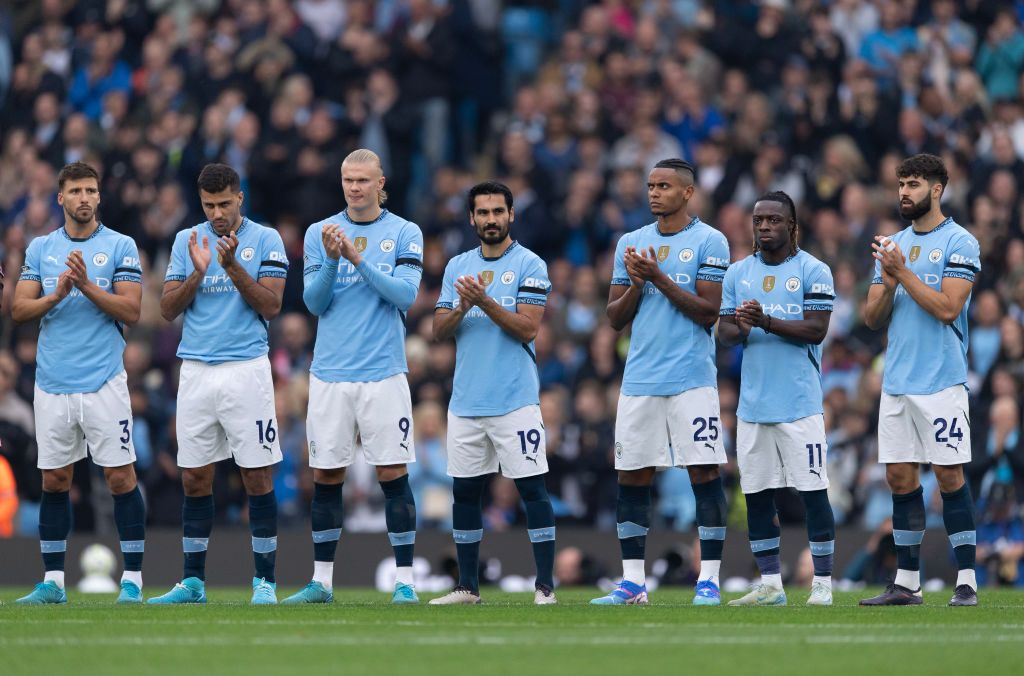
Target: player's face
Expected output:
[80,197]
[667,192]
[772,222]
[223,209]
[491,218]
[361,181]
[915,197]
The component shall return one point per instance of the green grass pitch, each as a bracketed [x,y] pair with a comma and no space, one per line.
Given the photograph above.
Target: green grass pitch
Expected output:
[361,633]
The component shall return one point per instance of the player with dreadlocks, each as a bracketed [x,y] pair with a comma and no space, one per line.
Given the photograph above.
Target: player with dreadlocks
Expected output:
[777,304]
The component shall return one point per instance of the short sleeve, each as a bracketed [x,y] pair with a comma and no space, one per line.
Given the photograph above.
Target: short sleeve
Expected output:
[273,258]
[964,259]
[312,251]
[410,247]
[128,268]
[176,266]
[714,258]
[819,290]
[534,284]
[619,275]
[728,307]
[30,270]
[447,298]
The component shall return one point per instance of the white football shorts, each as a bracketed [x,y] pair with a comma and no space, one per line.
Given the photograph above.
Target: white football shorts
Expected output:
[515,441]
[933,428]
[70,426]
[670,431]
[776,455]
[378,414]
[227,411]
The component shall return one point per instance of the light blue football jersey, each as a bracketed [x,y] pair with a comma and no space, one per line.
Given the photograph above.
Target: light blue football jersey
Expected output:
[220,326]
[668,352]
[360,337]
[80,347]
[781,379]
[924,355]
[495,374]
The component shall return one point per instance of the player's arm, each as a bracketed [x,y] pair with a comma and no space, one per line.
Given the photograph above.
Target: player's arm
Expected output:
[731,331]
[625,292]
[878,307]
[701,307]
[811,329]
[179,293]
[124,304]
[399,288]
[264,295]
[882,293]
[321,268]
[446,321]
[450,309]
[944,304]
[522,324]
[28,305]
[623,300]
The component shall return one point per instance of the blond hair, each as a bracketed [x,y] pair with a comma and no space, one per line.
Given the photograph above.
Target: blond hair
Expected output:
[367,156]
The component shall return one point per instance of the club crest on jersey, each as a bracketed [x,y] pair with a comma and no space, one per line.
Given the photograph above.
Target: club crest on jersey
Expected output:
[768,283]
[663,252]
[935,255]
[618,450]
[360,244]
[508,277]
[915,252]
[792,284]
[100,259]
[487,276]
[387,246]
[312,449]
[247,253]
[686,255]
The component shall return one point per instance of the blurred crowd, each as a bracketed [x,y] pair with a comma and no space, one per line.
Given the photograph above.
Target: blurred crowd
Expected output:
[569,103]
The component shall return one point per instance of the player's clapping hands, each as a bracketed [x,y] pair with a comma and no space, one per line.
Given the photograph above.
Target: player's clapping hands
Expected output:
[472,290]
[642,266]
[77,272]
[200,255]
[749,315]
[64,285]
[348,249]
[891,259]
[226,247]
[331,238]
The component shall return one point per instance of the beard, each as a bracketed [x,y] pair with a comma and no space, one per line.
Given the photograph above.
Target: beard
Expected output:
[492,237]
[916,210]
[81,220]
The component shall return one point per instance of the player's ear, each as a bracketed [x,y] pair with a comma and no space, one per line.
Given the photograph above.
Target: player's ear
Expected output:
[511,214]
[241,198]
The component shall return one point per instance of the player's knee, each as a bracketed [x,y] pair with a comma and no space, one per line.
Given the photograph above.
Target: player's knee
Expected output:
[390,472]
[468,490]
[901,477]
[950,478]
[120,480]
[636,477]
[701,474]
[532,489]
[197,482]
[258,481]
[329,476]
[56,480]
